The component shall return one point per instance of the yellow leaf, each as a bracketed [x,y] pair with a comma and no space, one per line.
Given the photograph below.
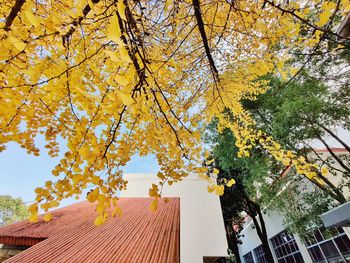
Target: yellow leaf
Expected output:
[99,220]
[84,151]
[95,180]
[112,55]
[160,175]
[231,182]
[153,192]
[117,211]
[48,184]
[210,189]
[122,80]
[154,205]
[18,44]
[124,55]
[219,189]
[209,162]
[324,171]
[32,18]
[33,218]
[206,154]
[125,98]
[215,171]
[121,9]
[33,208]
[47,217]
[92,196]
[326,13]
[113,30]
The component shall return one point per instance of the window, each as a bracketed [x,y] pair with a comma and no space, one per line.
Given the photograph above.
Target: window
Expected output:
[259,254]
[286,249]
[333,246]
[248,258]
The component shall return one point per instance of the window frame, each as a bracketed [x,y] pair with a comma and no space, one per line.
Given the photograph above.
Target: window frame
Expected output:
[318,244]
[285,246]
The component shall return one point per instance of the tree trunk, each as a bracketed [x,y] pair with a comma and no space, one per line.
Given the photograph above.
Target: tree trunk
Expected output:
[232,241]
[254,209]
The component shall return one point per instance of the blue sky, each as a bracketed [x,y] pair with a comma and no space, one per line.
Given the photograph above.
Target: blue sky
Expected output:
[21,173]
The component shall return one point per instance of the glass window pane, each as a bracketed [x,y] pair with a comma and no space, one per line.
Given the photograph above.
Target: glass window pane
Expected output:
[318,235]
[315,253]
[286,247]
[248,258]
[298,257]
[343,244]
[290,259]
[329,249]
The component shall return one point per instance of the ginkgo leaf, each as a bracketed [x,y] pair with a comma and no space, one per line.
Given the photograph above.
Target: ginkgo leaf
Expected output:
[113,29]
[122,80]
[47,217]
[154,205]
[33,218]
[160,175]
[219,189]
[84,151]
[121,9]
[216,171]
[18,44]
[117,211]
[92,196]
[35,21]
[210,189]
[209,162]
[112,55]
[231,182]
[124,55]
[324,171]
[99,220]
[125,98]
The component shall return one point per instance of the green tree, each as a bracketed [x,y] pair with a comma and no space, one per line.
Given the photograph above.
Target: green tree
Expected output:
[302,111]
[241,196]
[12,210]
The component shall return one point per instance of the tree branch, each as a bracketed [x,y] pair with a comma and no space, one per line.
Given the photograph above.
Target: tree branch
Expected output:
[13,14]
[200,24]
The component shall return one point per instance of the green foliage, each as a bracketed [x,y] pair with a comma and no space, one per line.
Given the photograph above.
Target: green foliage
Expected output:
[294,114]
[12,210]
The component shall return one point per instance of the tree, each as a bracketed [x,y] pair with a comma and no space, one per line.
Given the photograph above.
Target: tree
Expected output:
[118,78]
[303,111]
[238,198]
[295,114]
[12,210]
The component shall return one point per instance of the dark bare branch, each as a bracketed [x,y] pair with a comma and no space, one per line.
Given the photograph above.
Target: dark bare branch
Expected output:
[13,14]
[200,24]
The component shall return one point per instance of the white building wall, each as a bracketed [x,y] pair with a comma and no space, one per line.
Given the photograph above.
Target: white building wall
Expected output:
[202,231]
[274,225]
[274,220]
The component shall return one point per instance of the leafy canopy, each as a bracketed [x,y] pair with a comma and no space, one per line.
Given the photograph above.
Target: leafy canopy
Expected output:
[117,78]
[11,210]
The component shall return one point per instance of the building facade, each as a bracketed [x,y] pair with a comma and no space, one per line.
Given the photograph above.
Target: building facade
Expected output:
[287,247]
[202,231]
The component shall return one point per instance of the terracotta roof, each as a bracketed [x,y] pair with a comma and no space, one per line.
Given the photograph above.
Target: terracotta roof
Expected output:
[140,235]
[337,150]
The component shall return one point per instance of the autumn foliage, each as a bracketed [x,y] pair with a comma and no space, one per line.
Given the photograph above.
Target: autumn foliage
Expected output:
[117,78]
